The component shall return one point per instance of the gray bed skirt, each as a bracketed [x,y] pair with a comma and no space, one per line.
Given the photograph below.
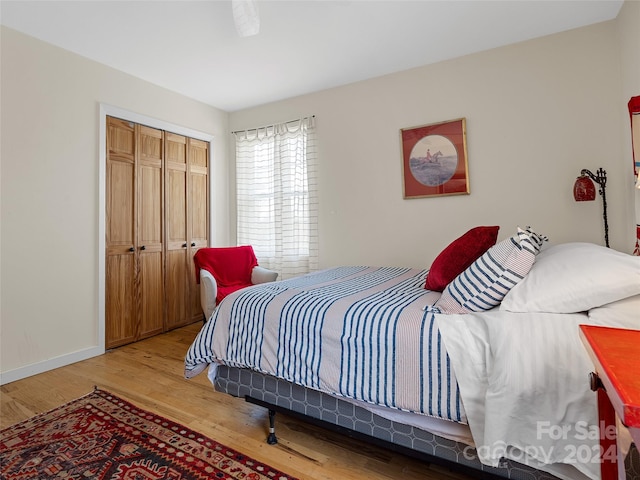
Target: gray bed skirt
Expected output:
[330,411]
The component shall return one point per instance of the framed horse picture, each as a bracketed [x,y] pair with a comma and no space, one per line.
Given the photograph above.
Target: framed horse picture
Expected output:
[434,159]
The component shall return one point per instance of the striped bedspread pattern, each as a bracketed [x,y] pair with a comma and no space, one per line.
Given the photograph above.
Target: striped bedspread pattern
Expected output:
[357,332]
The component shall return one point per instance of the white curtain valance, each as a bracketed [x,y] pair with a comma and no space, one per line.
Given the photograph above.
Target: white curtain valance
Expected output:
[262,133]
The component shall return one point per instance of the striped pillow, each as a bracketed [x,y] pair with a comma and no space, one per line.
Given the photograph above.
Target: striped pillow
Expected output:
[484,284]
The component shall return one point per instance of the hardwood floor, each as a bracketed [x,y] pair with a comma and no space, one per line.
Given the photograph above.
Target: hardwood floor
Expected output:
[149,373]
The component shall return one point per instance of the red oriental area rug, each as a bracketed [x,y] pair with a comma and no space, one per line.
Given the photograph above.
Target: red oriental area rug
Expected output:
[101,436]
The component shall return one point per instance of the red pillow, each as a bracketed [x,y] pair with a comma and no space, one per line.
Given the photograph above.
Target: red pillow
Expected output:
[459,255]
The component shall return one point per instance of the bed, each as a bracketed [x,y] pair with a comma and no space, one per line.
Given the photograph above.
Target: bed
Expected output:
[481,375]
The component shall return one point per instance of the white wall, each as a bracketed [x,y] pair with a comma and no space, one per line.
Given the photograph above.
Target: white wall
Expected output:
[629,37]
[50,194]
[537,113]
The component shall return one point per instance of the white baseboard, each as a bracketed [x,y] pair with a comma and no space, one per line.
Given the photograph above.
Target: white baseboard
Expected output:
[40,367]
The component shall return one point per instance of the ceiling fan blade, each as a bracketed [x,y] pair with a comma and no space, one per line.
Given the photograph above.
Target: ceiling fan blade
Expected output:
[246,17]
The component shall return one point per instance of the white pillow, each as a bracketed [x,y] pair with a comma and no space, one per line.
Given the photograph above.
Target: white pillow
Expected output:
[624,313]
[575,277]
[486,281]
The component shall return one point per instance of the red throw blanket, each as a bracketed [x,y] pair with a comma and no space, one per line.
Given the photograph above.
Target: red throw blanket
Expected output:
[230,266]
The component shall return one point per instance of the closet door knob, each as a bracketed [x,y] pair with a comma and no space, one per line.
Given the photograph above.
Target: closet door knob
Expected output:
[193,244]
[184,245]
[132,249]
[143,247]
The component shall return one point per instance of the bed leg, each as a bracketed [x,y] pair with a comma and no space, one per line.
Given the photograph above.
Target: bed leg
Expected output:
[271,439]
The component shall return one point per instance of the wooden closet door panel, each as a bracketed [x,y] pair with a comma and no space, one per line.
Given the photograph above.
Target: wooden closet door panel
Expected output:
[199,213]
[176,208]
[151,321]
[120,184]
[199,192]
[176,187]
[121,139]
[150,252]
[150,217]
[198,153]
[120,300]
[150,144]
[199,238]
[177,293]
[120,204]
[150,232]
[176,148]
[121,267]
[177,246]
[121,271]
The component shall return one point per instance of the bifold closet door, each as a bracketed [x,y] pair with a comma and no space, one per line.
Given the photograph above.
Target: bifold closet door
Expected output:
[150,241]
[178,247]
[157,215]
[187,191]
[135,251]
[121,260]
[199,213]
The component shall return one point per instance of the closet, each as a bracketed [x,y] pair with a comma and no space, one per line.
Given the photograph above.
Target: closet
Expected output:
[157,199]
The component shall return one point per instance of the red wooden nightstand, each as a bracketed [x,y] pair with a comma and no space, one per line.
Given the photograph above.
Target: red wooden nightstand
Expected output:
[615,353]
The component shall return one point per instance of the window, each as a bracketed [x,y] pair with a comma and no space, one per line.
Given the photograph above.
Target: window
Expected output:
[277,195]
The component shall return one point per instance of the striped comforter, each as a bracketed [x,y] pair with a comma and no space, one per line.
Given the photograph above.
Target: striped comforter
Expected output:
[357,332]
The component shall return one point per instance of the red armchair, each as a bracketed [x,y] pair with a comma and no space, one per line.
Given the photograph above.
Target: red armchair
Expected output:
[223,270]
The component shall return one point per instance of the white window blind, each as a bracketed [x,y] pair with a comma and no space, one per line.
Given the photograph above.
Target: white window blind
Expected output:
[277,203]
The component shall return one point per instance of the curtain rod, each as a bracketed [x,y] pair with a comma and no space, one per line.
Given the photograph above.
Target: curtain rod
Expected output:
[271,126]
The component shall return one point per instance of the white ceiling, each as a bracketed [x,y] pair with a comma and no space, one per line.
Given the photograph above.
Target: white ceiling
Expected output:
[191,47]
